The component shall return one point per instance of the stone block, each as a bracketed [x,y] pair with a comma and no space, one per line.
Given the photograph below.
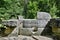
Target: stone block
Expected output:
[28,23]
[11,22]
[43,16]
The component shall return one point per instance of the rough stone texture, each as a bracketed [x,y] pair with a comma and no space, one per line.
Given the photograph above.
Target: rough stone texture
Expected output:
[20,37]
[29,23]
[41,38]
[9,38]
[25,38]
[42,23]
[32,23]
[43,16]
[15,32]
[25,31]
[43,19]
[11,22]
[29,31]
[39,31]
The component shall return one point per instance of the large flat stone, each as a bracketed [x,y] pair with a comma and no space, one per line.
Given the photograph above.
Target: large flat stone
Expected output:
[29,23]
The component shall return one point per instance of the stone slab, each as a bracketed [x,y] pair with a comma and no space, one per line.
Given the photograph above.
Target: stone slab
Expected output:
[43,15]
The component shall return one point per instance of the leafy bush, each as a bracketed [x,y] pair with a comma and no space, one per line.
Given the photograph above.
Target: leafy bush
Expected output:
[49,6]
[10,7]
[28,8]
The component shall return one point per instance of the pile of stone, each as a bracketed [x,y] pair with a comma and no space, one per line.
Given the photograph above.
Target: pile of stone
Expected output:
[26,27]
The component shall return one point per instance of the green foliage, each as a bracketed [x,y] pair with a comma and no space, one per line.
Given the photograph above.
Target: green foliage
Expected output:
[53,11]
[49,6]
[10,7]
[28,8]
[32,9]
[1,25]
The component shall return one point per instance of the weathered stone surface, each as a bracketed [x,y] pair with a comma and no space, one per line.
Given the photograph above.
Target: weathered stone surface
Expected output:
[34,23]
[14,32]
[33,38]
[43,16]
[29,23]
[19,25]
[41,38]
[25,31]
[25,38]
[11,22]
[42,23]
[29,31]
[20,37]
[39,31]
[9,38]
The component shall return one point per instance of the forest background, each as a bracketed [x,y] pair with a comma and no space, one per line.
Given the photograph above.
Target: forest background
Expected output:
[28,8]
